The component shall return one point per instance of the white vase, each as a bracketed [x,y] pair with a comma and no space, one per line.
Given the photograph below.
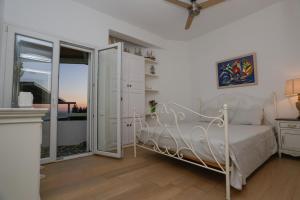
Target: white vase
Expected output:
[25,100]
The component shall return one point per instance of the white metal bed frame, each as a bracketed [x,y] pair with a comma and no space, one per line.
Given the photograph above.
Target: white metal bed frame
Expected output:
[222,121]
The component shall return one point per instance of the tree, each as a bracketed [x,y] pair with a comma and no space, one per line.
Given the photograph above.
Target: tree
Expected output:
[75,108]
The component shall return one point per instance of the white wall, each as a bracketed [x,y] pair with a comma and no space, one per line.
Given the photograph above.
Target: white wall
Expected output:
[273,33]
[174,71]
[72,21]
[1,44]
[1,21]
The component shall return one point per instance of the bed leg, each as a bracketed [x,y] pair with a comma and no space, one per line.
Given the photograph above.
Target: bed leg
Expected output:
[227,186]
[134,134]
[134,141]
[227,156]
[134,149]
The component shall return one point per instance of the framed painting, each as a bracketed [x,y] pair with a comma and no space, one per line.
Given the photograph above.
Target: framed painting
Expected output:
[239,71]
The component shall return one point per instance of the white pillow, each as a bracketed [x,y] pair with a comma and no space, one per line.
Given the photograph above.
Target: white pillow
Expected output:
[248,116]
[210,112]
[216,112]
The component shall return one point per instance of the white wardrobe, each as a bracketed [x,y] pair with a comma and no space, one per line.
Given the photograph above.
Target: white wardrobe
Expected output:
[133,93]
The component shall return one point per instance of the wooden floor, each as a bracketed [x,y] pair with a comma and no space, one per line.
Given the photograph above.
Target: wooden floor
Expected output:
[152,176]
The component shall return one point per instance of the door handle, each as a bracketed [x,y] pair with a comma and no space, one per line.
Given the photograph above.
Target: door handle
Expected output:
[292,125]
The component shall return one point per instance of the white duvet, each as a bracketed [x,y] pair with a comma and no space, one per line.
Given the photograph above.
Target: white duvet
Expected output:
[250,145]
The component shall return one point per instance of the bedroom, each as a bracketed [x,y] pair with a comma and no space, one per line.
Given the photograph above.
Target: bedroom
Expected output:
[186,74]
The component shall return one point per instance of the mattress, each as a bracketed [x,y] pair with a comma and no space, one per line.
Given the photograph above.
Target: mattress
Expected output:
[249,145]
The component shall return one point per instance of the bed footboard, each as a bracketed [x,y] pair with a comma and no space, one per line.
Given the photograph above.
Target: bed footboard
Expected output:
[164,135]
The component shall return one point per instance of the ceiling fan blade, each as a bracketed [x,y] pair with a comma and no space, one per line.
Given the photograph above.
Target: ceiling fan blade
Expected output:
[189,22]
[180,3]
[208,3]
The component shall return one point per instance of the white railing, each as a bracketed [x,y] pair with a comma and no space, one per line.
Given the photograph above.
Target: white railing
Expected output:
[167,119]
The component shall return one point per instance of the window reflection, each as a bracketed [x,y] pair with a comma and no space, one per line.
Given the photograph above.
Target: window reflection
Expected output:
[32,73]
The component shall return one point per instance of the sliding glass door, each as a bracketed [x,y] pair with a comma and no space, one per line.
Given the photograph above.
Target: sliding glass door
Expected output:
[33,66]
[58,75]
[68,80]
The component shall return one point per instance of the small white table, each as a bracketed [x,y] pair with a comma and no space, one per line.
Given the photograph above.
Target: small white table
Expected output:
[288,136]
[20,144]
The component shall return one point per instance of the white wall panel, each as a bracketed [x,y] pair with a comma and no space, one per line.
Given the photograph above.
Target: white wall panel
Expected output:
[273,33]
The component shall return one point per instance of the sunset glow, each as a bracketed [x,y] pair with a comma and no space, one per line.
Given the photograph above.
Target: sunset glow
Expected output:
[73,85]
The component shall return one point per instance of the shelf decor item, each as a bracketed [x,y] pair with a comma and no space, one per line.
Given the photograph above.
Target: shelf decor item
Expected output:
[152,69]
[152,104]
[126,49]
[150,55]
[239,71]
[25,100]
[138,51]
[292,88]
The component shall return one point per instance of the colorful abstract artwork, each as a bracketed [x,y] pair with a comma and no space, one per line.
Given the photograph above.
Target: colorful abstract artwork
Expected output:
[240,71]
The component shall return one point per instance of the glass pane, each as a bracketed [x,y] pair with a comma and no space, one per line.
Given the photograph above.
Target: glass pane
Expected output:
[108,101]
[72,102]
[32,73]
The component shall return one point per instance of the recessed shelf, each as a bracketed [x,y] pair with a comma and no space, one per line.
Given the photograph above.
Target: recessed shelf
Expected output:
[147,60]
[151,90]
[149,114]
[151,75]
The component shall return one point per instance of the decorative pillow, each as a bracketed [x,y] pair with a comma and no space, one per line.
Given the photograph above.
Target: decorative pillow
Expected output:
[248,116]
[216,112]
[270,115]
[210,112]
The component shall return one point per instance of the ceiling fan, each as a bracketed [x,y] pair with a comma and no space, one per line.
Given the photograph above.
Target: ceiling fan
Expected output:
[194,8]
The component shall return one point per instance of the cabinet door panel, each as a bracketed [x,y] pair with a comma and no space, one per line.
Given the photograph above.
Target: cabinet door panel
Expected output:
[124,132]
[125,104]
[290,131]
[137,102]
[137,74]
[125,84]
[290,142]
[125,71]
[130,133]
[137,86]
[130,130]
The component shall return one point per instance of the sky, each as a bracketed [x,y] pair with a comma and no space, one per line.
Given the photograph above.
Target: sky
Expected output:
[73,81]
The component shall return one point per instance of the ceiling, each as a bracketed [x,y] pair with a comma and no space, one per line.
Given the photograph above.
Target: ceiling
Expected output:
[168,20]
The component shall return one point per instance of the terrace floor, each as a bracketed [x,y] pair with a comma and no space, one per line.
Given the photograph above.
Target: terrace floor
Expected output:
[65,150]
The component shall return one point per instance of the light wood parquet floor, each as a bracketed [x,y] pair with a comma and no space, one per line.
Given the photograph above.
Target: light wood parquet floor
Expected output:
[153,176]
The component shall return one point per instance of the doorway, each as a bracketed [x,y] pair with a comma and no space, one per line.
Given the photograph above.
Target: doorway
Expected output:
[33,66]
[59,80]
[73,107]
[79,85]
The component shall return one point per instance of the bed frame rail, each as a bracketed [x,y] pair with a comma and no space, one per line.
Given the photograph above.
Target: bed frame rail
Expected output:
[167,119]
